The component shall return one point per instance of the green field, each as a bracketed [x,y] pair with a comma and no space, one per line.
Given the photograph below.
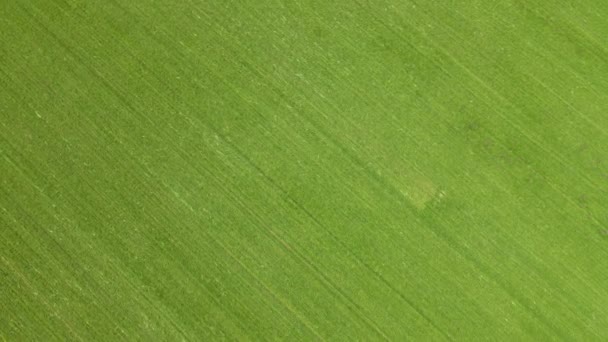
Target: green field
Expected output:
[303,170]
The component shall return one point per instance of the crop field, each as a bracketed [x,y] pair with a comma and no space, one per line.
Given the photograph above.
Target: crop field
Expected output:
[303,170]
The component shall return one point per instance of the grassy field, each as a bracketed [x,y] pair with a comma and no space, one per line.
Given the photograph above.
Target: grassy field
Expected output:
[303,170]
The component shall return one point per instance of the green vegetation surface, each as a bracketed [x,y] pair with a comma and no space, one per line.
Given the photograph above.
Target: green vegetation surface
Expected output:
[303,170]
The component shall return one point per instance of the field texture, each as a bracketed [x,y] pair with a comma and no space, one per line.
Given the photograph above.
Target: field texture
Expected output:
[303,170]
